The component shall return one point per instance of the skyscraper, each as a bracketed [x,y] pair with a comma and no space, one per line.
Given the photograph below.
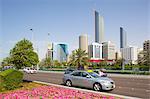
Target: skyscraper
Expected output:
[83,42]
[123,38]
[60,52]
[99,28]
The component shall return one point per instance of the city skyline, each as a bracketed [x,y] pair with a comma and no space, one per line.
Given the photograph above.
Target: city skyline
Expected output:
[66,20]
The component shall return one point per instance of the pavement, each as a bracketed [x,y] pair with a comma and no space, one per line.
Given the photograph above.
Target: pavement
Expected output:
[102,93]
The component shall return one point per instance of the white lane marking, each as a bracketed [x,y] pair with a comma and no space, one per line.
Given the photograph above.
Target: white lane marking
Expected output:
[120,87]
[147,90]
[132,88]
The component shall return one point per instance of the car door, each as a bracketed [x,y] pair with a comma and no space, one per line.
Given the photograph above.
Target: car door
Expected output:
[75,77]
[86,80]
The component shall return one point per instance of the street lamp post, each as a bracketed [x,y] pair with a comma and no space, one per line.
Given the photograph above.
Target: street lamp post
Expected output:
[32,39]
[34,47]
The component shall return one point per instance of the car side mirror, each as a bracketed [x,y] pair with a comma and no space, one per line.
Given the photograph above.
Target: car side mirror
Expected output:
[88,76]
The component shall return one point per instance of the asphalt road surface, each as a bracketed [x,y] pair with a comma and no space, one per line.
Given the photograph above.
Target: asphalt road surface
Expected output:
[128,86]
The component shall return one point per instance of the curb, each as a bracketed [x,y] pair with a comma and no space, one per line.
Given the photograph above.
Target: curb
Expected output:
[103,93]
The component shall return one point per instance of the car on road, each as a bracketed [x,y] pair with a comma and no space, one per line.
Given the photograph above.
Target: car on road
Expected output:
[101,73]
[29,70]
[69,70]
[8,67]
[88,80]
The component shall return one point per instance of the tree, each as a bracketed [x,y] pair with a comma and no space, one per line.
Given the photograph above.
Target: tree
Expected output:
[144,60]
[72,59]
[56,63]
[64,63]
[103,63]
[79,58]
[7,62]
[46,62]
[22,55]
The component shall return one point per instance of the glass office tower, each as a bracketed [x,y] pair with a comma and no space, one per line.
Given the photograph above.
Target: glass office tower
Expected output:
[60,52]
[123,38]
[99,28]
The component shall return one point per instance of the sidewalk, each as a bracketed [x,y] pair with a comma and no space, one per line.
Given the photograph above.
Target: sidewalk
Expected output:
[103,93]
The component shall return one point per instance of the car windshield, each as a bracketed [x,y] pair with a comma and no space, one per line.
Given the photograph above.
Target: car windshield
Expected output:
[93,74]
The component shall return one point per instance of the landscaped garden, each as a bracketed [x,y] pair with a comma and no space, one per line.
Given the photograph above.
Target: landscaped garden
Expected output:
[38,91]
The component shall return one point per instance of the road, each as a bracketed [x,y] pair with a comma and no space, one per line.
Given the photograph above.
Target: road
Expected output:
[128,86]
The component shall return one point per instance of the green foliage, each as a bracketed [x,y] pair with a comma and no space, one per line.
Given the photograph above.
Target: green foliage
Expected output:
[22,55]
[7,62]
[56,63]
[72,59]
[128,72]
[127,67]
[102,64]
[47,62]
[79,58]
[10,79]
[64,63]
[119,62]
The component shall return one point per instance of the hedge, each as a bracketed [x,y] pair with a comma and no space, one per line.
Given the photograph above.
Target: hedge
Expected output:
[10,79]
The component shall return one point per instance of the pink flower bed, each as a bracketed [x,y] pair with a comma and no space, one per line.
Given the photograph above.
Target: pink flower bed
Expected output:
[51,92]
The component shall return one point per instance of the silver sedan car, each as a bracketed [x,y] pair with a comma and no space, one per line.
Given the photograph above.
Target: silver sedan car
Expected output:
[88,80]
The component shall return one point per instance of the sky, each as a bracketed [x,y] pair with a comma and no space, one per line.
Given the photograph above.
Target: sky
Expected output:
[65,20]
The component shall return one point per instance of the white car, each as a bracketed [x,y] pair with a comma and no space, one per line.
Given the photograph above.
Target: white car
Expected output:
[30,70]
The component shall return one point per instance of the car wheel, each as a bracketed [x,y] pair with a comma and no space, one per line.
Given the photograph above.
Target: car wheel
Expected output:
[69,83]
[97,87]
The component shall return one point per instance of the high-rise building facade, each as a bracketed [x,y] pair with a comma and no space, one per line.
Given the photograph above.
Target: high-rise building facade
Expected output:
[83,42]
[109,51]
[60,52]
[123,38]
[146,45]
[129,55]
[99,28]
[95,51]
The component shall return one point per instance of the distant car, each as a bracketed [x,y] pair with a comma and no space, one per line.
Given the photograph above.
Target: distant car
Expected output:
[7,67]
[29,70]
[101,73]
[69,70]
[88,80]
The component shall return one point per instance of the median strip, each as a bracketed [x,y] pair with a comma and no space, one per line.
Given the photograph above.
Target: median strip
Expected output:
[90,91]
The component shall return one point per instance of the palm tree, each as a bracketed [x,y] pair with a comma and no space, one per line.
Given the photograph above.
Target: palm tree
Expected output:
[79,58]
[72,59]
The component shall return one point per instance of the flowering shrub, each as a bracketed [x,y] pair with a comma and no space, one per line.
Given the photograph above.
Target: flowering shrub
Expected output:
[51,92]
